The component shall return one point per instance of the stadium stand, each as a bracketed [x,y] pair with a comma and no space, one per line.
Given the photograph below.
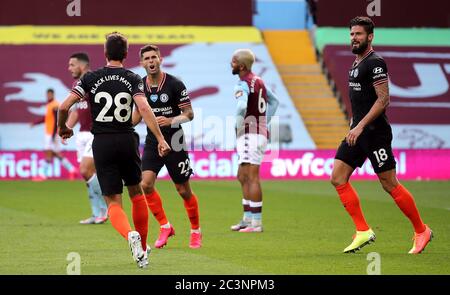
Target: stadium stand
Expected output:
[294,55]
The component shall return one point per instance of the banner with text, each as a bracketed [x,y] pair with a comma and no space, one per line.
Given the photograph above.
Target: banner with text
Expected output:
[294,165]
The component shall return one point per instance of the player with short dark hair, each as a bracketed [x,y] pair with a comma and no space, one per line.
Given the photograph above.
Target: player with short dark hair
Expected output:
[370,136]
[111,91]
[78,66]
[170,101]
[256,105]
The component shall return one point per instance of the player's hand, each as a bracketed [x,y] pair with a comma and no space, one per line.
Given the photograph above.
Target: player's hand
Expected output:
[65,132]
[163,148]
[353,135]
[163,121]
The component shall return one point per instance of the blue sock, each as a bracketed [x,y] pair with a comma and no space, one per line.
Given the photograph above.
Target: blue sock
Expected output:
[98,203]
[256,208]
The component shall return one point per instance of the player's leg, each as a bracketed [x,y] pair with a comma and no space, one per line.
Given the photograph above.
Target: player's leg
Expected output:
[119,221]
[117,215]
[243,181]
[242,148]
[346,160]
[48,163]
[405,201]
[110,153]
[129,167]
[180,171]
[255,203]
[154,203]
[87,169]
[139,212]
[46,169]
[151,165]
[254,148]
[130,170]
[86,173]
[55,147]
[98,205]
[153,198]
[191,205]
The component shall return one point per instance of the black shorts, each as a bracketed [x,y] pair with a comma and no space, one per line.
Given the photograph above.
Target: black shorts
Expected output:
[373,145]
[177,163]
[117,161]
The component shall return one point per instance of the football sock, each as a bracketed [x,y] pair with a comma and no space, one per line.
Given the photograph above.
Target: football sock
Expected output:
[247,212]
[256,211]
[95,196]
[119,220]
[405,202]
[191,206]
[140,217]
[155,205]
[350,200]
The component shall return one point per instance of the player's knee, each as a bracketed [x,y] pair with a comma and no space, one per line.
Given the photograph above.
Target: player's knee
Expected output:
[147,187]
[85,172]
[253,178]
[242,178]
[183,191]
[337,180]
[387,184]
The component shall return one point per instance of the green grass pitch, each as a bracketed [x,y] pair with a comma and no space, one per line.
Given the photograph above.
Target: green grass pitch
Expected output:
[305,230]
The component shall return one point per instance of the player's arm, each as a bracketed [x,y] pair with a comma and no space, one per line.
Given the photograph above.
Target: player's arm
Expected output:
[149,118]
[136,117]
[187,115]
[241,92]
[73,119]
[184,103]
[382,102]
[272,104]
[63,113]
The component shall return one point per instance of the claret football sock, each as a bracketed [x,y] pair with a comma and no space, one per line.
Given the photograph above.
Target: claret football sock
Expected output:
[155,205]
[119,220]
[191,206]
[350,200]
[140,217]
[405,202]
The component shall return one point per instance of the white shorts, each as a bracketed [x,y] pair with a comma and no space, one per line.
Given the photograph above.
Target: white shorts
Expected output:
[84,145]
[51,143]
[251,148]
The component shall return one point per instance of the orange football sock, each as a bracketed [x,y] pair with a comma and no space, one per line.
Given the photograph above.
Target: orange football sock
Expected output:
[140,217]
[350,200]
[191,206]
[119,220]
[405,202]
[155,205]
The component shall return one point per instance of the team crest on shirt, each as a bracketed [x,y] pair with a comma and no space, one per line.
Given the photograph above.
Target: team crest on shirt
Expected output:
[164,97]
[154,97]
